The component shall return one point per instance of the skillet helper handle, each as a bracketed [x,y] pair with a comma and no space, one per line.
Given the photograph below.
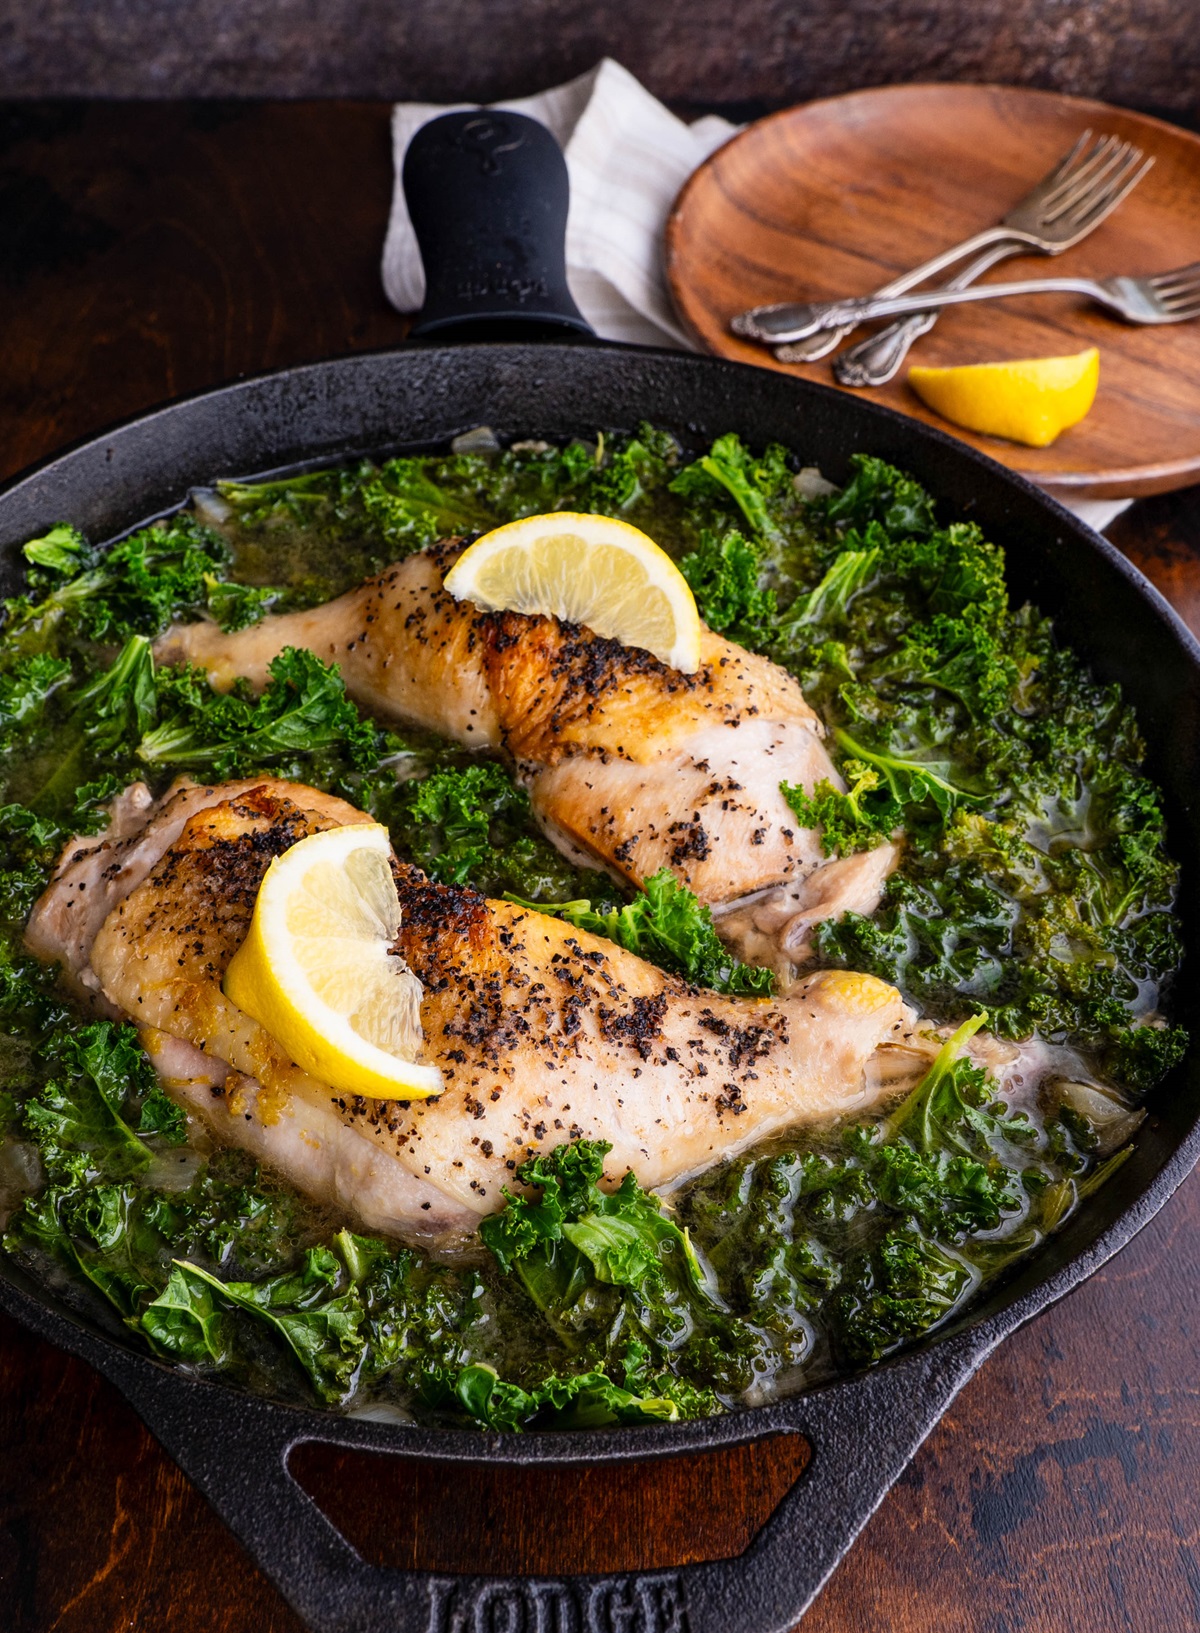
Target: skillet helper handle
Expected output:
[862,1434]
[488,193]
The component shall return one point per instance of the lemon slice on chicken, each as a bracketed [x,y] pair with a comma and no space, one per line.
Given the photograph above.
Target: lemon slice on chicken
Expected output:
[589,570]
[318,971]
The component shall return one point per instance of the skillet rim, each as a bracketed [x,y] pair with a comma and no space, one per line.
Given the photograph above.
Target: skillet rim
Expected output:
[966,1340]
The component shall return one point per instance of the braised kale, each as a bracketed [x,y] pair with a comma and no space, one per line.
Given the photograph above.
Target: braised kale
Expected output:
[1034,875]
[472,824]
[620,1283]
[134,587]
[412,501]
[1033,878]
[883,1236]
[302,710]
[667,924]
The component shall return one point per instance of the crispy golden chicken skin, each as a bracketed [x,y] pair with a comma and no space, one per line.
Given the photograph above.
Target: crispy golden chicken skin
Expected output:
[543,1034]
[631,766]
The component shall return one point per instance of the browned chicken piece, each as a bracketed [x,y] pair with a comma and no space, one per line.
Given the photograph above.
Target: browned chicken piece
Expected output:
[542,1033]
[631,766]
[408,652]
[97,871]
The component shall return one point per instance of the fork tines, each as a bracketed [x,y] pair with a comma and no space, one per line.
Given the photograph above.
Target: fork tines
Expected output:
[1093,179]
[1179,291]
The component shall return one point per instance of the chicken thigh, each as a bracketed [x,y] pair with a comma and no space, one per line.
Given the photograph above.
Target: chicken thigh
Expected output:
[631,766]
[543,1033]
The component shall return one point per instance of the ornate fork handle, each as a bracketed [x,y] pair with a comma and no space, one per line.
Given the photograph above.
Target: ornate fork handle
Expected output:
[776,324]
[837,314]
[878,358]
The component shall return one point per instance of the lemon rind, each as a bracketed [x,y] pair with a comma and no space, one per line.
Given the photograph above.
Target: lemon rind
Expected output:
[267,982]
[463,579]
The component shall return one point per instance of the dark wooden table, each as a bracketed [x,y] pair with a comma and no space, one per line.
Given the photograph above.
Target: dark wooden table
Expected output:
[149,250]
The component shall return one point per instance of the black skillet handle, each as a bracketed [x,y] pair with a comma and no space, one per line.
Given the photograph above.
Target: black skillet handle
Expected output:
[862,1435]
[488,194]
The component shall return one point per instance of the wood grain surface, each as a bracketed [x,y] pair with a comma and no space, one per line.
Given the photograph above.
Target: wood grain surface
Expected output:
[837,197]
[756,55]
[169,248]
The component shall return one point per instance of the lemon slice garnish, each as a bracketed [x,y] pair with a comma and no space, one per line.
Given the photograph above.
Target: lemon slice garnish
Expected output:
[589,570]
[1029,401]
[317,971]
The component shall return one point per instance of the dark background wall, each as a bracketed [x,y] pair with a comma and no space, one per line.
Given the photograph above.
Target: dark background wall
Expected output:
[1144,53]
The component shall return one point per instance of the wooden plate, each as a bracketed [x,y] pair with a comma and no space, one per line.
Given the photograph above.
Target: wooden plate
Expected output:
[837,197]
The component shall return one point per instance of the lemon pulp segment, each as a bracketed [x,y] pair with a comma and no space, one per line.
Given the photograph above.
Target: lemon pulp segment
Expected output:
[317,968]
[591,570]
[1029,401]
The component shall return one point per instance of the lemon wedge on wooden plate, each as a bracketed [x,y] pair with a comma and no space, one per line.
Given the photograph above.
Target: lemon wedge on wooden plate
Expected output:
[589,570]
[1030,401]
[316,968]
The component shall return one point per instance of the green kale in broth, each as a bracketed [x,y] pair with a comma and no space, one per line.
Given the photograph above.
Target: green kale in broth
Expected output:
[472,824]
[135,587]
[1034,883]
[1034,877]
[666,924]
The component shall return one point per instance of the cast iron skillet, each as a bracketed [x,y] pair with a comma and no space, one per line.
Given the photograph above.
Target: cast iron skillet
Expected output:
[862,1429]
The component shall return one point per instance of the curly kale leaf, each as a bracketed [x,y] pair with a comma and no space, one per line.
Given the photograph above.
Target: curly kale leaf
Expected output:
[136,587]
[94,1231]
[349,1312]
[314,1309]
[903,1287]
[855,819]
[451,815]
[724,573]
[878,492]
[630,470]
[103,1096]
[304,708]
[668,925]
[912,777]
[762,489]
[585,1400]
[622,1235]
[601,1263]
[236,606]
[452,819]
[29,844]
[121,704]
[25,688]
[58,552]
[474,825]
[946,1108]
[829,601]
[989,917]
[950,1157]
[186,1320]
[1140,1054]
[411,509]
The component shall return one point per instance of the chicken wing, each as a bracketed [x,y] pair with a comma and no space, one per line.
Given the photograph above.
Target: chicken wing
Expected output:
[543,1034]
[631,766]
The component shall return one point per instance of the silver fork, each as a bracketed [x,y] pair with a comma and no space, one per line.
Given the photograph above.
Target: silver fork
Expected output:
[879,358]
[1167,297]
[1084,187]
